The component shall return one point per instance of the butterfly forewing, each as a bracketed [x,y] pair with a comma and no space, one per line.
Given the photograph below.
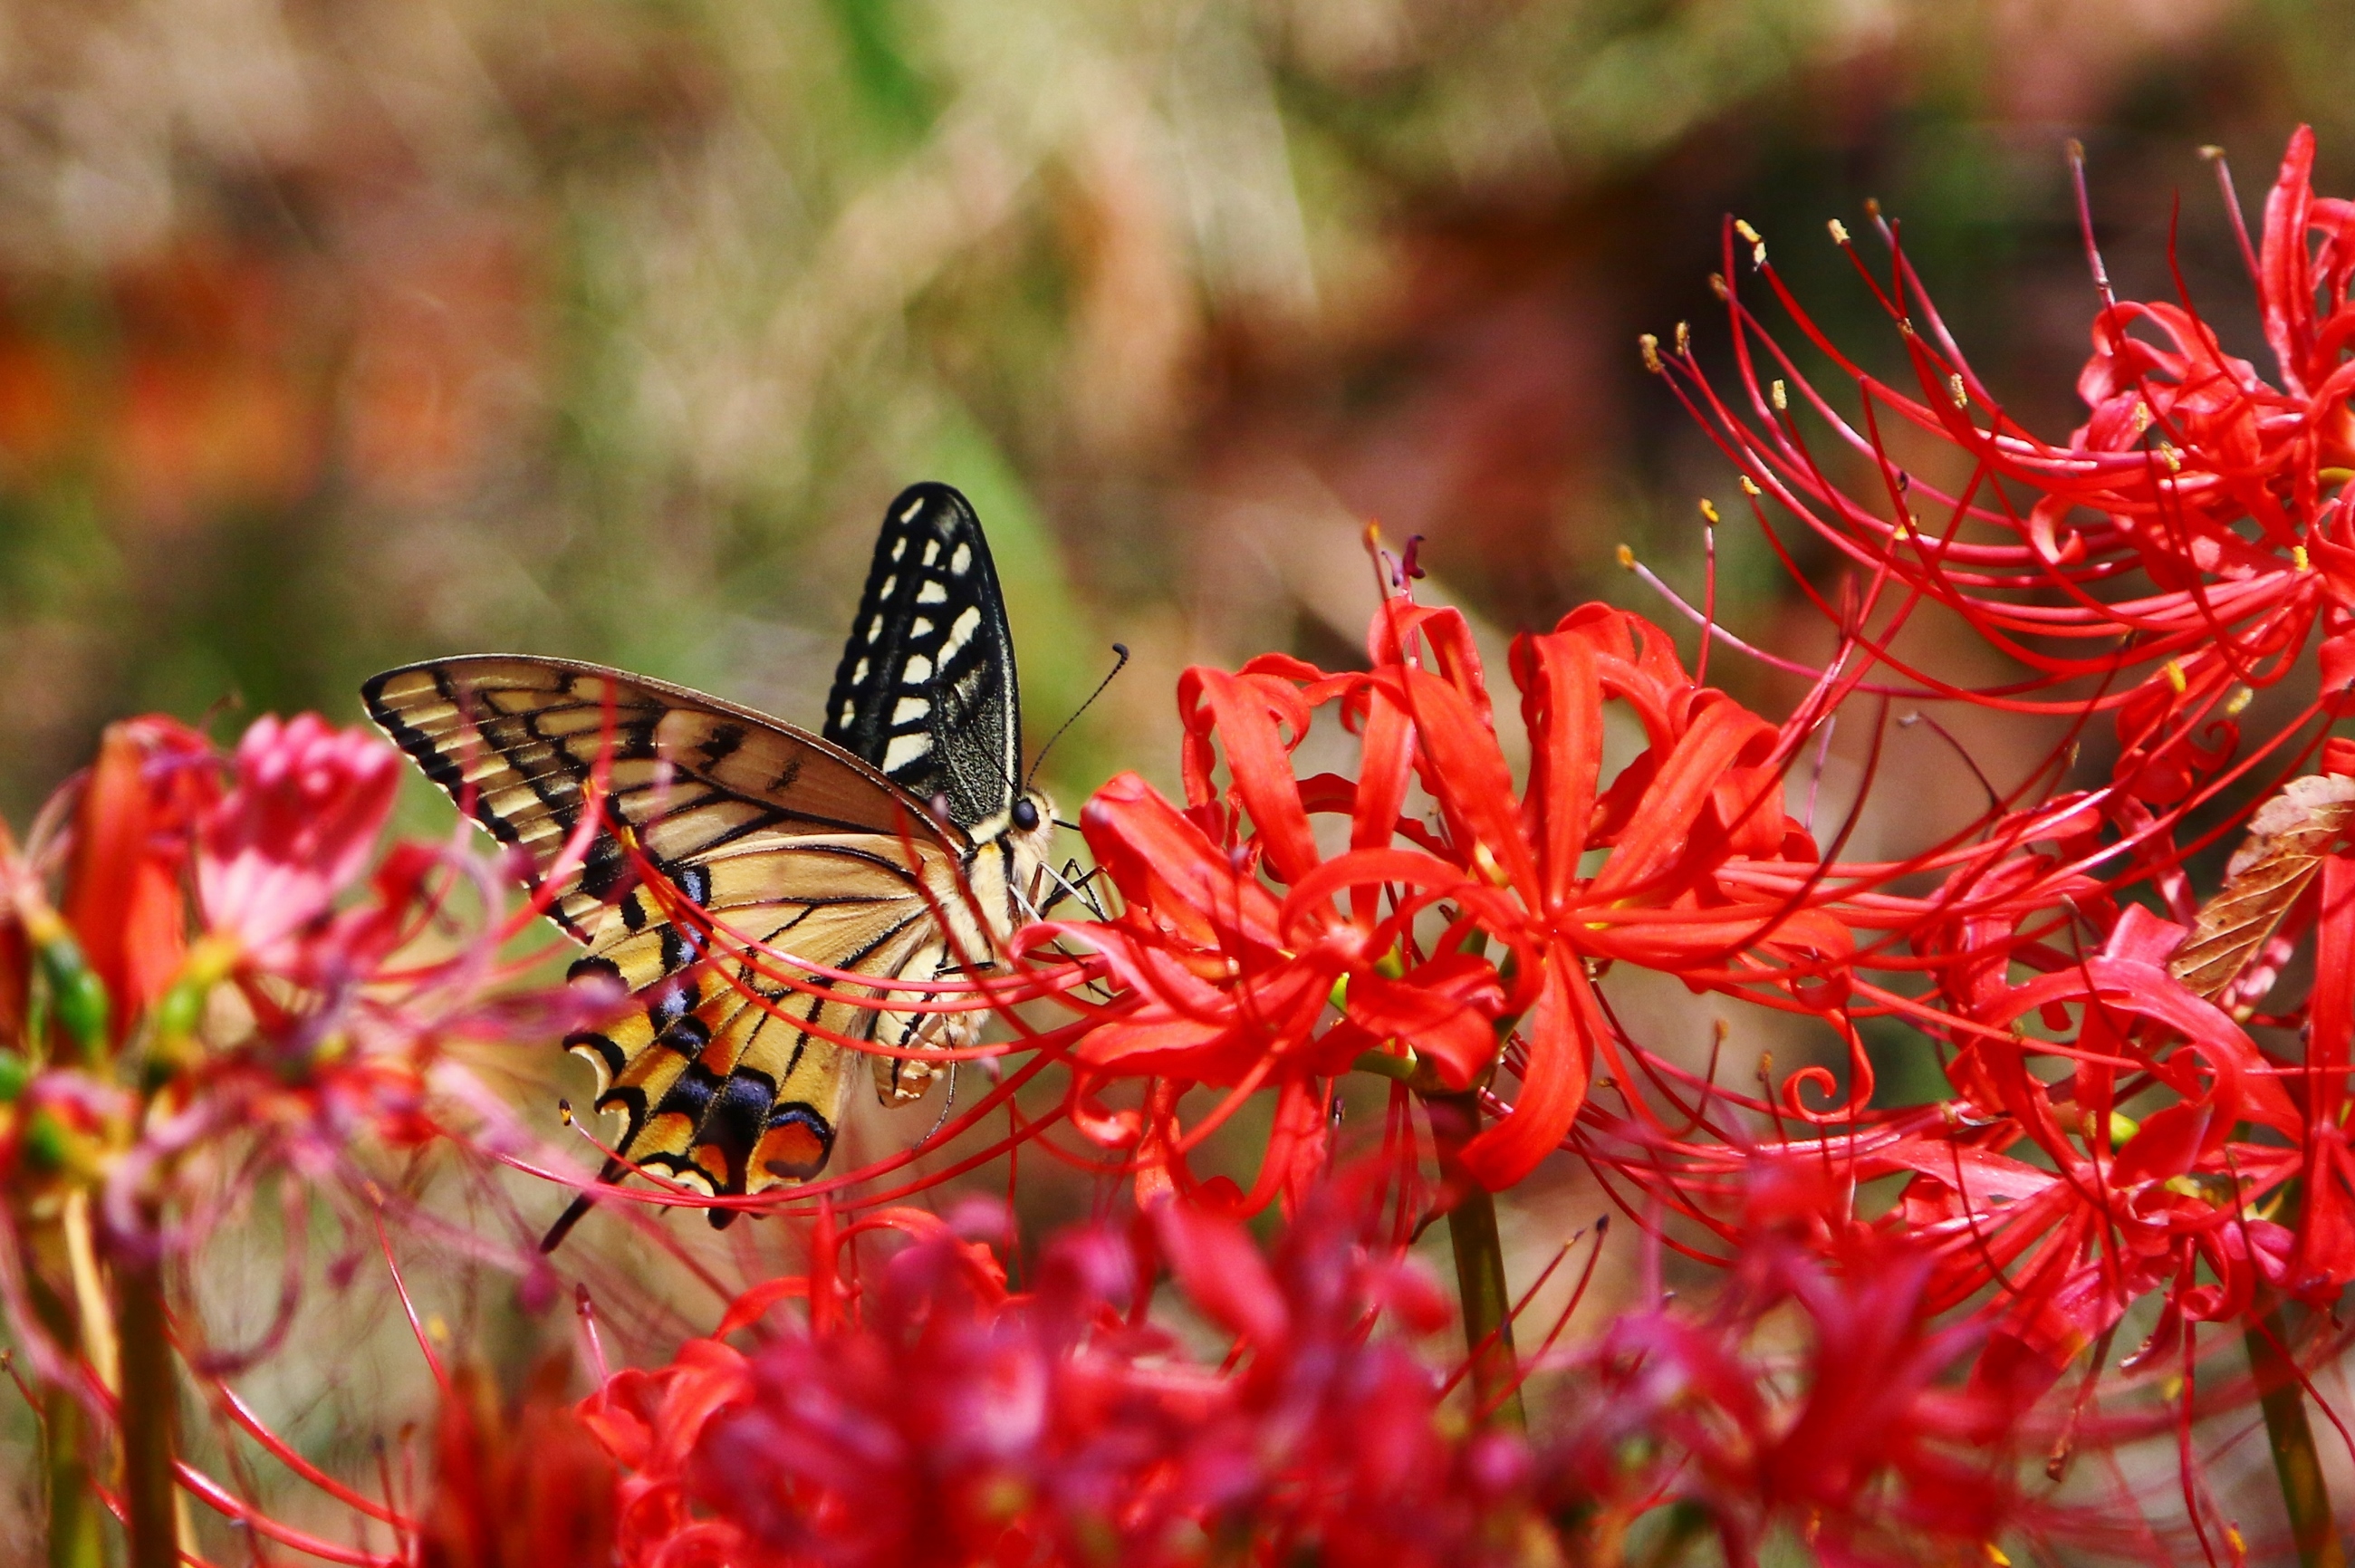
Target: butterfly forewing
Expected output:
[927,689]
[516,741]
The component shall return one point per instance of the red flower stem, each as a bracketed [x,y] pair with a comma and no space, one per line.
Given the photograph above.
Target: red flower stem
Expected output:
[150,1414]
[2282,1394]
[1479,1264]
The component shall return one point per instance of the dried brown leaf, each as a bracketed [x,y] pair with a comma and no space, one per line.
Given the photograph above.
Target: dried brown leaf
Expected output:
[2287,838]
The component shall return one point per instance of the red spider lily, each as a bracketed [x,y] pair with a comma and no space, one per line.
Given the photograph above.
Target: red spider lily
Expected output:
[2324,1261]
[1225,981]
[295,829]
[2127,1209]
[2217,487]
[1858,1439]
[174,887]
[328,1043]
[2221,489]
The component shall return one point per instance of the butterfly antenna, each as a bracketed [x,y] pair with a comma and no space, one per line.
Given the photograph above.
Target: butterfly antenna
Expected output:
[1040,761]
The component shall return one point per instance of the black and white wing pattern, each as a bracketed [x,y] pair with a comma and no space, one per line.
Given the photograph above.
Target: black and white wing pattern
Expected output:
[926,687]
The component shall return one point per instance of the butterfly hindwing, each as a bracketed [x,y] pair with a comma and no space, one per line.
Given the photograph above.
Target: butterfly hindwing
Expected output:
[724,1072]
[926,689]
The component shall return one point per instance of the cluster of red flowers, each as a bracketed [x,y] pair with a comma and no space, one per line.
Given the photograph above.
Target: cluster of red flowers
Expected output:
[2114,1133]
[229,989]
[2134,1127]
[934,1417]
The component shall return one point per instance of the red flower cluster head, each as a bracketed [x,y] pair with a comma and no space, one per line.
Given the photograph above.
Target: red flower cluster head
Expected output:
[1436,943]
[206,932]
[210,974]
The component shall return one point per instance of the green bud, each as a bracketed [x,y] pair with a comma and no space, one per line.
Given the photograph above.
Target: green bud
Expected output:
[176,1015]
[77,995]
[47,1146]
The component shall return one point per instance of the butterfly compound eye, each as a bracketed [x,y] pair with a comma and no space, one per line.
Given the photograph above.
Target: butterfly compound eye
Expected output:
[1026,815]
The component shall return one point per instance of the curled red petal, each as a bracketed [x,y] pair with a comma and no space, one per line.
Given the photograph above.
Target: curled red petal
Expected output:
[1560,1034]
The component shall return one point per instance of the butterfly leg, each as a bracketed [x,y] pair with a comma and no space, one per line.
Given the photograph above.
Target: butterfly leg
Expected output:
[1070,882]
[901,1079]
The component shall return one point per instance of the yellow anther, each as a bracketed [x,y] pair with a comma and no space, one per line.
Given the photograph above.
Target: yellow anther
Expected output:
[2175,678]
[2298,558]
[2172,458]
[1780,394]
[1898,535]
[2240,699]
[1716,286]
[1995,1554]
[1955,390]
[1626,558]
[1839,231]
[1683,338]
[1742,227]
[1750,486]
[2143,417]
[1650,346]
[1709,511]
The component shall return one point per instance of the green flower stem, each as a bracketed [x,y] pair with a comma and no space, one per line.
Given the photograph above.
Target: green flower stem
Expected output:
[151,1408]
[1479,1264]
[2295,1460]
[76,1538]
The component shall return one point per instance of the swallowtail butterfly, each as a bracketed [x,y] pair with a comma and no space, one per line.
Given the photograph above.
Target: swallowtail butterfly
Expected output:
[836,849]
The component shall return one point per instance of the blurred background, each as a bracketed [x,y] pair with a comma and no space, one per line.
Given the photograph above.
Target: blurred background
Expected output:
[336,333]
[339,333]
